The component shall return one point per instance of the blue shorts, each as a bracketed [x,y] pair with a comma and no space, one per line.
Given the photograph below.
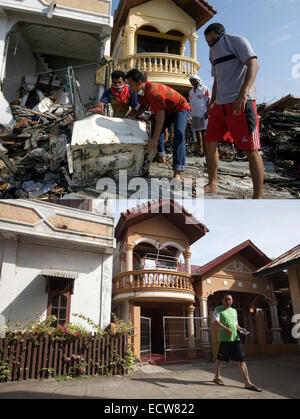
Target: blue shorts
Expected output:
[230,351]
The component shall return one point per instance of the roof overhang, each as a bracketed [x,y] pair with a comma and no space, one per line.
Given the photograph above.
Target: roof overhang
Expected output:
[174,212]
[200,10]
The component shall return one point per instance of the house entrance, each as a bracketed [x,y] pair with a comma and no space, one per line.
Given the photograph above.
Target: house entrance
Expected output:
[186,337]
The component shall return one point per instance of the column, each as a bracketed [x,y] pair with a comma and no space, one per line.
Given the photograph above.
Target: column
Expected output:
[187,260]
[205,333]
[276,330]
[191,331]
[294,284]
[193,46]
[130,31]
[135,317]
[129,260]
[129,256]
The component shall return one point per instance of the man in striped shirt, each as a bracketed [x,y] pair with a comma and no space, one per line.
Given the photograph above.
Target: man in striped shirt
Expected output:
[233,107]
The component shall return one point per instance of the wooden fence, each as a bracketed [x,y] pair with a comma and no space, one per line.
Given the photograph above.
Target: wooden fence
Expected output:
[24,357]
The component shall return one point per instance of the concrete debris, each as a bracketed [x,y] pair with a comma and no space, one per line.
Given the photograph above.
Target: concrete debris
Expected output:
[102,146]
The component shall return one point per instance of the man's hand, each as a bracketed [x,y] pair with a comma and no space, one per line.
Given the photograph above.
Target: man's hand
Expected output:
[98,109]
[152,145]
[239,105]
[228,331]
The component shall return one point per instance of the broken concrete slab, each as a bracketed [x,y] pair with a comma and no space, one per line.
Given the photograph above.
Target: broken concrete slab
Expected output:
[102,146]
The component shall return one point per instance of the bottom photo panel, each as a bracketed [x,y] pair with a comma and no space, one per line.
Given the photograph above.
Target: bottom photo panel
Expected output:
[97,288]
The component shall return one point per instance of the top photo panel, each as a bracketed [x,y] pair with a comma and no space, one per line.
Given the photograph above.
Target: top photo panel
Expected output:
[149,99]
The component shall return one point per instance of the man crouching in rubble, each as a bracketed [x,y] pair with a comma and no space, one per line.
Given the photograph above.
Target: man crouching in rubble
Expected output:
[233,107]
[121,98]
[168,106]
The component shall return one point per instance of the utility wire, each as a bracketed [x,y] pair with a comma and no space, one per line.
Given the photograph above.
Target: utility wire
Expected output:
[48,72]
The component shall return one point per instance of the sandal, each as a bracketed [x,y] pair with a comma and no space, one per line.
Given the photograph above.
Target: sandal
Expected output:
[254,388]
[218,381]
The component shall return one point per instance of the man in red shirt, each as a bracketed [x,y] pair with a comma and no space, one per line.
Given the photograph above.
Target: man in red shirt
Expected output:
[168,106]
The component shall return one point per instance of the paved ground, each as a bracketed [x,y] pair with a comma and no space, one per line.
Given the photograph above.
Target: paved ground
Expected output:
[279,377]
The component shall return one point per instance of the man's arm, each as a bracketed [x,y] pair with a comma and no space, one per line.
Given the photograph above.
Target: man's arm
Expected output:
[252,70]
[227,329]
[160,119]
[213,99]
[137,112]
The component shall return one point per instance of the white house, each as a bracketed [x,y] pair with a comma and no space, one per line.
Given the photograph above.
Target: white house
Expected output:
[42,36]
[55,260]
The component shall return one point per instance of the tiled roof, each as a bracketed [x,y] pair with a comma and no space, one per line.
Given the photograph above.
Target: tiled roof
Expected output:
[250,252]
[175,213]
[288,259]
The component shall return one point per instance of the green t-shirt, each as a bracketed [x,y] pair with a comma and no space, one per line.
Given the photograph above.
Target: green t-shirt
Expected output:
[228,317]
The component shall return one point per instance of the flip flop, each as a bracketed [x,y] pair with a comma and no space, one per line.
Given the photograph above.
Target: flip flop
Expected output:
[218,381]
[254,388]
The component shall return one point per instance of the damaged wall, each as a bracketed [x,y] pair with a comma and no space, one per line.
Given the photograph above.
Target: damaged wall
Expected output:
[20,61]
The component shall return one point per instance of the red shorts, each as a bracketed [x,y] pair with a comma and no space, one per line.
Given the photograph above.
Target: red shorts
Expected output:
[244,128]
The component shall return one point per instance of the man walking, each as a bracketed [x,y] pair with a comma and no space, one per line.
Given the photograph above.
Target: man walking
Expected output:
[229,344]
[233,107]
[199,98]
[169,107]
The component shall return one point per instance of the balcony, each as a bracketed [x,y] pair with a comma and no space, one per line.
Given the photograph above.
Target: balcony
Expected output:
[153,283]
[170,69]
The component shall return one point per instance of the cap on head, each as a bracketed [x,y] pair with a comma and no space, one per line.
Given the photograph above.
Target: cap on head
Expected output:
[197,79]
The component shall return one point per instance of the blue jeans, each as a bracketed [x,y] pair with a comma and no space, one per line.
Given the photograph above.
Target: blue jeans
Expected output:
[180,120]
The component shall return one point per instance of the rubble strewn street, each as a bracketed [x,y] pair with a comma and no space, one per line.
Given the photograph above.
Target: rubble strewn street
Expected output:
[36,156]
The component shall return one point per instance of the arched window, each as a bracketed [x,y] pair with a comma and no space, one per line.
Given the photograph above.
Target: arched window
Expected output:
[162,43]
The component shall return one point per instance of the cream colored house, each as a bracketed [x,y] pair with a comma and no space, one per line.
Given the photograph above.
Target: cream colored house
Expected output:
[152,36]
[170,302]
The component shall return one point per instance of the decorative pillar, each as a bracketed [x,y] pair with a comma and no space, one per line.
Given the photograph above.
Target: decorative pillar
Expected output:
[129,260]
[187,260]
[130,34]
[193,46]
[276,330]
[191,331]
[294,284]
[135,317]
[204,322]
[182,48]
[129,256]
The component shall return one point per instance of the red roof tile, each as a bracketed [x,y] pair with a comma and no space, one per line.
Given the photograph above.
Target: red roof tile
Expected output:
[288,259]
[175,213]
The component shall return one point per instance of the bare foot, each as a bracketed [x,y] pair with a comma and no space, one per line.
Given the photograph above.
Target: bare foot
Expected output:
[210,189]
[178,176]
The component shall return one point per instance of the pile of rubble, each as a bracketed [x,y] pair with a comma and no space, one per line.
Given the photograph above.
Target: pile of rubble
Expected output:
[33,158]
[280,135]
[36,157]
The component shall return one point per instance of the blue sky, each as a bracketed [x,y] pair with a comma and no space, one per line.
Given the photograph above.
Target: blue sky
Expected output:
[273,29]
[272,225]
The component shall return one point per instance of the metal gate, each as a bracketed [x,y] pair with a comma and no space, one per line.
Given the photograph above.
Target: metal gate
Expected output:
[146,352]
[184,336]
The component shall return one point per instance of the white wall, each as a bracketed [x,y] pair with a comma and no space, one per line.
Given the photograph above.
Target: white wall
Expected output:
[22,288]
[20,63]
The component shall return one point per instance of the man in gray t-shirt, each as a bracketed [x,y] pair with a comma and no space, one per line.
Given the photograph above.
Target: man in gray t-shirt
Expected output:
[233,109]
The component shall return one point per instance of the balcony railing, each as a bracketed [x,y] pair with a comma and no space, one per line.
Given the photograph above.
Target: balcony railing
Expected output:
[160,63]
[150,278]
